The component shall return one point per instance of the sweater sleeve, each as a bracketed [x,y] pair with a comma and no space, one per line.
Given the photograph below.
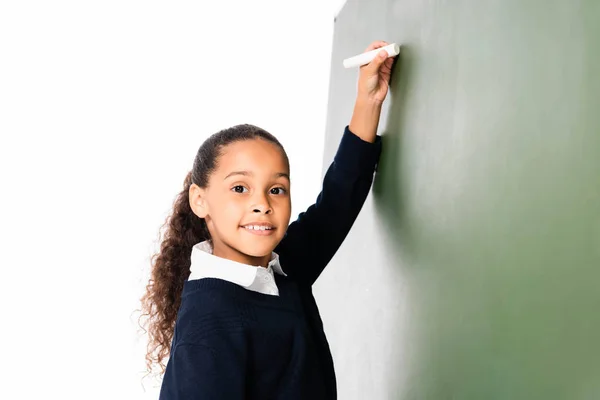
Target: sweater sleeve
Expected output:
[195,371]
[315,236]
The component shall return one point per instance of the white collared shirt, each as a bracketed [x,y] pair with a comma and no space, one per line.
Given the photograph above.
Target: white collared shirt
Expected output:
[259,279]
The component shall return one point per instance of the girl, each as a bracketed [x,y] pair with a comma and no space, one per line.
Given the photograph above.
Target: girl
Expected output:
[230,297]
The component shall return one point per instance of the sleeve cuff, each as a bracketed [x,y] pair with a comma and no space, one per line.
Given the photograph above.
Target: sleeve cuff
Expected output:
[357,155]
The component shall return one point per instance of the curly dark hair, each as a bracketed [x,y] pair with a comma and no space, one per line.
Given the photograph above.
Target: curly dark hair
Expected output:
[182,230]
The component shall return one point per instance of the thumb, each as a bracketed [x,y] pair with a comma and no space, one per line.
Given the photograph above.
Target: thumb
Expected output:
[378,60]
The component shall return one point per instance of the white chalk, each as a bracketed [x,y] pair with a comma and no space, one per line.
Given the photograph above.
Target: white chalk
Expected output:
[392,49]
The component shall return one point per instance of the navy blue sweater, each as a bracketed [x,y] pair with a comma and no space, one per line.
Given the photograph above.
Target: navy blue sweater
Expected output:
[234,343]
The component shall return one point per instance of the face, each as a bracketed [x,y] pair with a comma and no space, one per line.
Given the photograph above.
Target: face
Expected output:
[249,188]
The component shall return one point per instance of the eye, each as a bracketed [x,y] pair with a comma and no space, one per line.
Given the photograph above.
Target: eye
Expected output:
[237,189]
[281,190]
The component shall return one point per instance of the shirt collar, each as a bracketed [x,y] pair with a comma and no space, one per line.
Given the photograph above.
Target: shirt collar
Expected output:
[206,265]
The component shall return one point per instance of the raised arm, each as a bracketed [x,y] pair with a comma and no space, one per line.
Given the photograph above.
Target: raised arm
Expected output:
[313,239]
[315,236]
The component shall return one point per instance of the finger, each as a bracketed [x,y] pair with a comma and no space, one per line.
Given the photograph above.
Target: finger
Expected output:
[389,62]
[384,71]
[376,45]
[388,66]
[377,62]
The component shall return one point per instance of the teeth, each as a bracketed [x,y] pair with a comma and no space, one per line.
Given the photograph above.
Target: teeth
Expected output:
[257,228]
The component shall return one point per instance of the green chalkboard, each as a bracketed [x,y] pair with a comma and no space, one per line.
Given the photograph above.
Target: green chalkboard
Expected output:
[473,270]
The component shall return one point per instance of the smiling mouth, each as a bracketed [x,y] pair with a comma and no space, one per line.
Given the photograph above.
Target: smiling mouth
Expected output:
[258,227]
[260,230]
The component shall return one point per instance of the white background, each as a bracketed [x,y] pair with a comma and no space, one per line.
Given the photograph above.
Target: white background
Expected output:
[103,106]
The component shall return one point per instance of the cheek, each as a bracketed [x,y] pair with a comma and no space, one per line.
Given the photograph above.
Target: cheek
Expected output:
[228,211]
[285,208]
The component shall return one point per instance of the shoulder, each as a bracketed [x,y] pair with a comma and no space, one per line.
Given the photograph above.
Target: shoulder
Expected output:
[208,306]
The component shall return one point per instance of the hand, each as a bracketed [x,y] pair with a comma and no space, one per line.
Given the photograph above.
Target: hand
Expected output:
[374,77]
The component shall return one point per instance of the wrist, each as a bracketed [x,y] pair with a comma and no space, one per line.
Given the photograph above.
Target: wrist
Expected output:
[365,119]
[367,102]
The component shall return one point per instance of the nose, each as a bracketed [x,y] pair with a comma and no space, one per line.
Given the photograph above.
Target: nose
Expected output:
[262,205]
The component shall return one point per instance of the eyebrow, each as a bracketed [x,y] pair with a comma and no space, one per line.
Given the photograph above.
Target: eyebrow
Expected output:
[248,173]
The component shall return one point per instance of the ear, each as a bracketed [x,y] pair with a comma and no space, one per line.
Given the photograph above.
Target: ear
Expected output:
[198,201]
